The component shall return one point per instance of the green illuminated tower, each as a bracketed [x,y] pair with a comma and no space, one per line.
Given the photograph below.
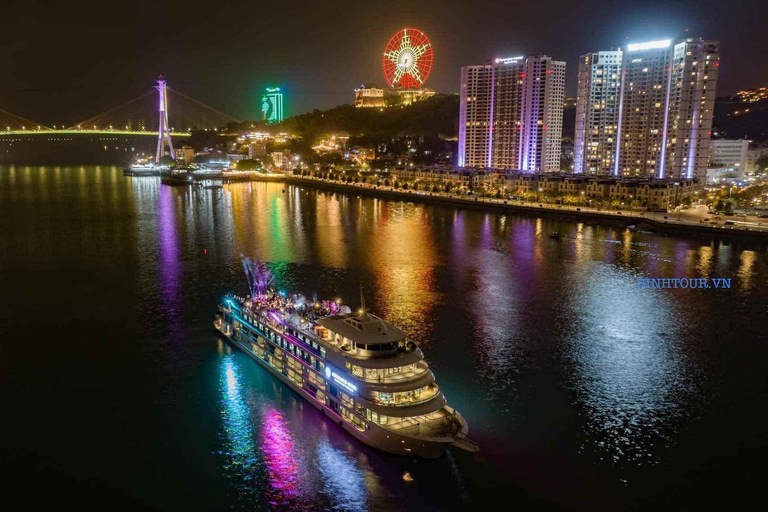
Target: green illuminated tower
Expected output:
[272,105]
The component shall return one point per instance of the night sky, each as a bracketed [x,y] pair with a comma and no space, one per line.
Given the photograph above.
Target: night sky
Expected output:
[63,62]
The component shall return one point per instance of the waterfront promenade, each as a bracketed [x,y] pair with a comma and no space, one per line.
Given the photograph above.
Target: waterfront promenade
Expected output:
[685,223]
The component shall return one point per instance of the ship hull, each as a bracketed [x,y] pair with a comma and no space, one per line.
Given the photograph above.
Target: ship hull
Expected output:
[375,436]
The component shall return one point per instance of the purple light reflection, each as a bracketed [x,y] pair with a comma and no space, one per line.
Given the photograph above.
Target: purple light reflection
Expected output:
[280,458]
[170,254]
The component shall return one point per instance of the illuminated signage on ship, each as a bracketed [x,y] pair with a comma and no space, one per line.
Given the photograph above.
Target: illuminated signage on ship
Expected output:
[338,379]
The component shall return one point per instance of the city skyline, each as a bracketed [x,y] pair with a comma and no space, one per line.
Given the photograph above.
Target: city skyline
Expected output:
[321,67]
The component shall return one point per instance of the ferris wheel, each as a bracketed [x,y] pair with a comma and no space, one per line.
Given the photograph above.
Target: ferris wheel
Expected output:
[408,59]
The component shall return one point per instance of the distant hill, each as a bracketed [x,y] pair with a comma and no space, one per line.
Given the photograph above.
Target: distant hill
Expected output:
[438,116]
[739,119]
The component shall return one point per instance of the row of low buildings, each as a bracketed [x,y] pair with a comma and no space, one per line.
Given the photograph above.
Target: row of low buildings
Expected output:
[651,193]
[644,110]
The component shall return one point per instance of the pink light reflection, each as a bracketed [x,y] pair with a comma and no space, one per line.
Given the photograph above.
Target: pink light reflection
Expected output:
[281,458]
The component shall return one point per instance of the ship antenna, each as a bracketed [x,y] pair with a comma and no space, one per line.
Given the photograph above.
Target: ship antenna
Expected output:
[362,298]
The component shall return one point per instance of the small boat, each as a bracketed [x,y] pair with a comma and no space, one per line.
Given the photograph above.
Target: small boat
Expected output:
[556,235]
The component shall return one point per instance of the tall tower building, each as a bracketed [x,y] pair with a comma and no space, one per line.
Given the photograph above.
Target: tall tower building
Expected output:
[645,88]
[541,114]
[692,104]
[666,108]
[511,114]
[272,105]
[505,137]
[475,114]
[597,112]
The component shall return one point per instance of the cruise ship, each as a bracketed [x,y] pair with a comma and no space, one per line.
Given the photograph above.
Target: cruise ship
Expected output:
[355,367]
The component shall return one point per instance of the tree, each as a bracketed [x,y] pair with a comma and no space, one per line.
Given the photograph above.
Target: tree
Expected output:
[762,164]
[248,165]
[566,163]
[386,182]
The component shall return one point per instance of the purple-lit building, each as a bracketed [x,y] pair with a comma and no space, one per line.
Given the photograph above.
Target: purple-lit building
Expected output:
[511,114]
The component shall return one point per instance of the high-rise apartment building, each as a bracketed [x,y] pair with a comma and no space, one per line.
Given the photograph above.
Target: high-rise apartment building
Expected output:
[665,109]
[692,106]
[597,112]
[511,114]
[645,88]
[505,138]
[475,114]
[541,114]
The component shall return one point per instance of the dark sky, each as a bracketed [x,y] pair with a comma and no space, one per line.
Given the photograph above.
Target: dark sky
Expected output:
[63,62]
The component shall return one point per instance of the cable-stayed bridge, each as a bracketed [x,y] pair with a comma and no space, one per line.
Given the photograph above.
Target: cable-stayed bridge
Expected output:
[139,115]
[118,134]
[12,123]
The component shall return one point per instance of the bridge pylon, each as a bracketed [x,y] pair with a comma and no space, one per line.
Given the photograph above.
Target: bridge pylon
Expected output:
[163,130]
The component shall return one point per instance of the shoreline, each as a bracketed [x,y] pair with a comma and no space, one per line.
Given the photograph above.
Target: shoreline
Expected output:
[641,223]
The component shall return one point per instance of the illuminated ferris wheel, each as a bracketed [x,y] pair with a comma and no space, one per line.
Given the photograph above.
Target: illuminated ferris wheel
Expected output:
[408,59]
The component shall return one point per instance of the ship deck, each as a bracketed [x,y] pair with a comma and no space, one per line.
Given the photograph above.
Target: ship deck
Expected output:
[434,424]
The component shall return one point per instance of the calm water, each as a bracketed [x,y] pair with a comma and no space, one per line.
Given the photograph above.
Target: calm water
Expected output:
[583,391]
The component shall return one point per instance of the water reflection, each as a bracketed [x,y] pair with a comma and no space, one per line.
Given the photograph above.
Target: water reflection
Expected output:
[401,253]
[170,254]
[629,373]
[343,483]
[281,458]
[239,451]
[523,333]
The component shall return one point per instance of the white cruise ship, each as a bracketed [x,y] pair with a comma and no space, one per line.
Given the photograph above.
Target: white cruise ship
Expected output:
[356,368]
